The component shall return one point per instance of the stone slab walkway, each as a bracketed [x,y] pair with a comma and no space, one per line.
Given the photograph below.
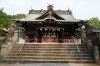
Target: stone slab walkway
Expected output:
[45,64]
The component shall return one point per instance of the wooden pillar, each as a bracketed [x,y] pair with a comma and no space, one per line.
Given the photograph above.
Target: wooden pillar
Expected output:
[60,40]
[63,35]
[19,33]
[39,38]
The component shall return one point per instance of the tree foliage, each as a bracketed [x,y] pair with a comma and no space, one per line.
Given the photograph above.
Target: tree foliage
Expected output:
[95,23]
[19,16]
[6,20]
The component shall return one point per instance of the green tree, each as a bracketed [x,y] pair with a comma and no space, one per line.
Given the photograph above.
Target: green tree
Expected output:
[95,23]
[6,20]
[19,16]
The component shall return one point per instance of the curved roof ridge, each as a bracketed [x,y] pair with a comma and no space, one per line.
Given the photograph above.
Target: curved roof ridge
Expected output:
[49,12]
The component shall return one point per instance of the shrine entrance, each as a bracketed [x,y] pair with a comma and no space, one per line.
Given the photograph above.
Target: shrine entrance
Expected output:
[49,35]
[49,39]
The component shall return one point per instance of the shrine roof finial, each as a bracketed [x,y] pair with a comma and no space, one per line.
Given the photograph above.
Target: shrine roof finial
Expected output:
[50,6]
[31,8]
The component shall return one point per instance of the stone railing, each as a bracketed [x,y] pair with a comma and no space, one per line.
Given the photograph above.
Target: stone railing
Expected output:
[94,49]
[91,46]
[7,46]
[5,49]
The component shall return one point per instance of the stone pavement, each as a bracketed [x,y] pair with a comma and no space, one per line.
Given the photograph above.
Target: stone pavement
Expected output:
[45,64]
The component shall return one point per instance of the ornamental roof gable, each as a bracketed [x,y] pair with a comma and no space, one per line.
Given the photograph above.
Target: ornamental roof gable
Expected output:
[50,14]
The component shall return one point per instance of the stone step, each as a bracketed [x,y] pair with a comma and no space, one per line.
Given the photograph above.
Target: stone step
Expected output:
[38,54]
[17,45]
[75,54]
[52,49]
[49,57]
[50,60]
[48,51]
[48,48]
[51,45]
[64,49]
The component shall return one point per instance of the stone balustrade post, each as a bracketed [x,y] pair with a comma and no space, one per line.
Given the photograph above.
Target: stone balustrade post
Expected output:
[89,45]
[96,54]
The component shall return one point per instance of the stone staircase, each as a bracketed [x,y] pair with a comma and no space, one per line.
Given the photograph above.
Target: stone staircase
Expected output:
[49,53]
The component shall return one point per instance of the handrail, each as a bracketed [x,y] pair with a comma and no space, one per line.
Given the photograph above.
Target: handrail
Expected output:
[76,44]
[22,46]
[92,46]
[78,48]
[18,52]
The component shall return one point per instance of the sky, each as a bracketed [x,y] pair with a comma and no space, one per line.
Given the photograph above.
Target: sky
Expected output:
[81,9]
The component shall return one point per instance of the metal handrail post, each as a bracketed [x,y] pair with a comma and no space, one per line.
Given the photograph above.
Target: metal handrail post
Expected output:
[18,52]
[78,49]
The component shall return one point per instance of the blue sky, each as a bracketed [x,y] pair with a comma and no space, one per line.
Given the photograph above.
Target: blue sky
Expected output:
[82,9]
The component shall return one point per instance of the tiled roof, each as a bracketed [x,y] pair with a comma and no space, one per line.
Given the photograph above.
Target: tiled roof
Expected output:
[33,14]
[96,31]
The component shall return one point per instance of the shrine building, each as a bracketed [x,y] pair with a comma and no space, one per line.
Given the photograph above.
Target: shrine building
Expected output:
[50,26]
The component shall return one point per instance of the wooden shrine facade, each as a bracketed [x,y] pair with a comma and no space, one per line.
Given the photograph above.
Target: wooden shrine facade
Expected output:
[49,25]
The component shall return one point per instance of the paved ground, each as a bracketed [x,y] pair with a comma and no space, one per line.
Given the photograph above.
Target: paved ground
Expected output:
[46,64]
